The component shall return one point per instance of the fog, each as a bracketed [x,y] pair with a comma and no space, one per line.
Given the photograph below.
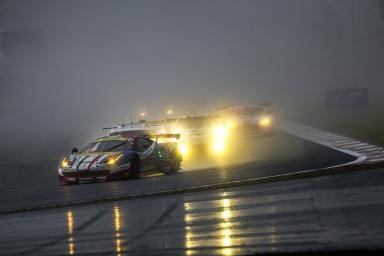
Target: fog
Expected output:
[69,68]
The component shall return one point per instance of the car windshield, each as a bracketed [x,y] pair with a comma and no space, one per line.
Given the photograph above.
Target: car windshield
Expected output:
[107,146]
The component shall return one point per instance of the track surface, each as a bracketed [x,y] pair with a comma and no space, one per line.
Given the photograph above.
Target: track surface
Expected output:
[34,184]
[327,213]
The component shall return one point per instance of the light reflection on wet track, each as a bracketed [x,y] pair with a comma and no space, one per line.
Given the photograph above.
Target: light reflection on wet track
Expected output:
[285,216]
[224,226]
[71,243]
[117,230]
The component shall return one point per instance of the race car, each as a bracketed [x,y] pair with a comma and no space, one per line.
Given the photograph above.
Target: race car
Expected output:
[133,129]
[255,118]
[120,157]
[199,133]
[194,129]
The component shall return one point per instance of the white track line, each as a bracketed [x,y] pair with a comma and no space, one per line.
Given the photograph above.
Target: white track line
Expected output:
[364,152]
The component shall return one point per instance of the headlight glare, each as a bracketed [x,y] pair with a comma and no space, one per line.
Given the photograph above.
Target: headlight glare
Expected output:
[265,122]
[221,132]
[218,146]
[183,148]
[64,163]
[111,161]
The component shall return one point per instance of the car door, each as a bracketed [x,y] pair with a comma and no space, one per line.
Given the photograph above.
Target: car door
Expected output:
[146,148]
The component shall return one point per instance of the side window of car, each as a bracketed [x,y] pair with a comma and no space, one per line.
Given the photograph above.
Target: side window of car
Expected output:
[143,144]
[146,144]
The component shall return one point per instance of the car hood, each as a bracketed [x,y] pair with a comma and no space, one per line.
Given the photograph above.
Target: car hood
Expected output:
[89,161]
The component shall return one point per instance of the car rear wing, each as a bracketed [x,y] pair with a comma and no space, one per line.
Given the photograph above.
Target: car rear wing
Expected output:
[165,136]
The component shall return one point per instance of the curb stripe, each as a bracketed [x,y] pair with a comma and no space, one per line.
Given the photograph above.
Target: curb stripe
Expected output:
[363,151]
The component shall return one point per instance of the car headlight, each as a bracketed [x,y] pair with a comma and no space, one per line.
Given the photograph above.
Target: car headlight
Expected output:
[183,148]
[221,132]
[65,163]
[113,160]
[265,122]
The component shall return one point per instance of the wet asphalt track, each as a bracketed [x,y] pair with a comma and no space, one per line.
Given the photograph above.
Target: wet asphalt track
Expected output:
[327,213]
[33,184]
[334,212]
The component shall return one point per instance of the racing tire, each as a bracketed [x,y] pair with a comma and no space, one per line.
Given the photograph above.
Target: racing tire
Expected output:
[174,165]
[135,168]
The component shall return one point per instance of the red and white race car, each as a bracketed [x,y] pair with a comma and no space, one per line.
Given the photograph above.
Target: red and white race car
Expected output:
[119,157]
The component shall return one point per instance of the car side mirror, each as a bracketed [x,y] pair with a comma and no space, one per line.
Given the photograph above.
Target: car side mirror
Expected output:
[75,150]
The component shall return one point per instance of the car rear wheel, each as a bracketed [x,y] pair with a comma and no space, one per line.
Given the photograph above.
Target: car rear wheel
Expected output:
[174,165]
[135,168]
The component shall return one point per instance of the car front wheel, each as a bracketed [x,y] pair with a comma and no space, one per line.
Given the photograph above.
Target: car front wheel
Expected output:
[135,169]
